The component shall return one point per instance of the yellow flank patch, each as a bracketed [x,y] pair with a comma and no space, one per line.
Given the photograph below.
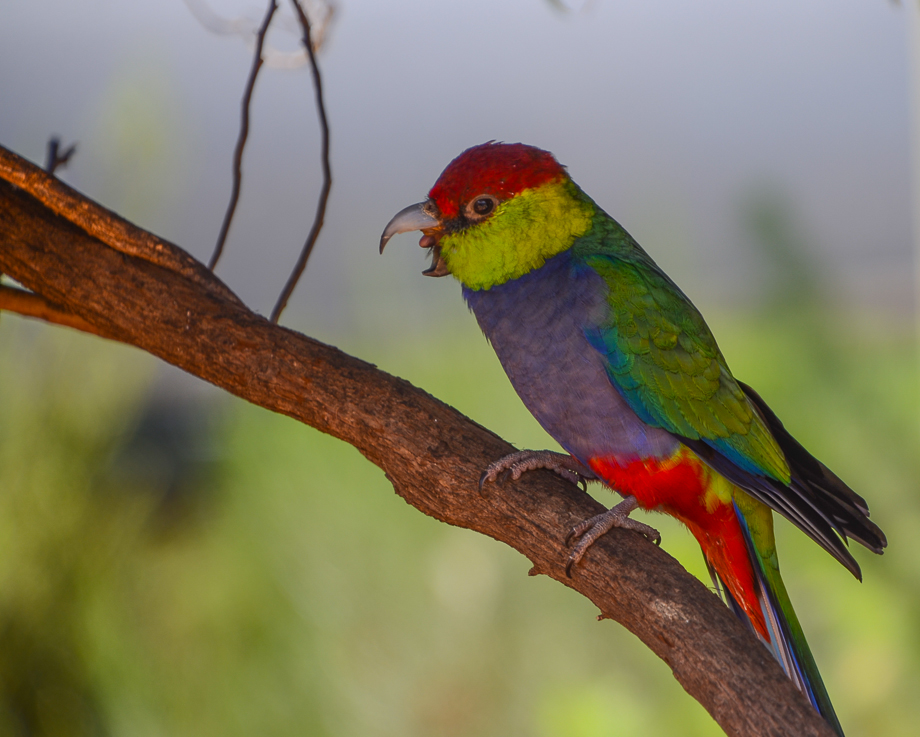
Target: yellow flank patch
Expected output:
[720,491]
[759,519]
[519,237]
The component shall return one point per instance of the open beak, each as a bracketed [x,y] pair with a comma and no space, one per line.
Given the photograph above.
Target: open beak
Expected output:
[419,217]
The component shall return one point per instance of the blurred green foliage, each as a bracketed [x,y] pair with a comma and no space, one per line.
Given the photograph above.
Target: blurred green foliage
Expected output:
[271,583]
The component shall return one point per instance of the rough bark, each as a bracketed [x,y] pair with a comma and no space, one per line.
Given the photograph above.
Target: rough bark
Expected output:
[130,286]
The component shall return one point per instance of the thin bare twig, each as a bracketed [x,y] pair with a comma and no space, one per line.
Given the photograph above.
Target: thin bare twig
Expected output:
[327,171]
[57,158]
[244,134]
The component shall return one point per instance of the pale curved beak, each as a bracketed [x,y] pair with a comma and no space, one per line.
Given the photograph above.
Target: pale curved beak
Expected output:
[415,217]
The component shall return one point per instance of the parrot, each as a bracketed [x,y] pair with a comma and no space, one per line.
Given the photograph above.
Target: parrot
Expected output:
[620,368]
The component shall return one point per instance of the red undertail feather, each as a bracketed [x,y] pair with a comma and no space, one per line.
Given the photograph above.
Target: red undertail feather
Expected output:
[679,486]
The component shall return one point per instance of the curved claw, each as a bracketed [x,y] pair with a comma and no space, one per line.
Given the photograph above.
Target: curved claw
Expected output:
[494,475]
[568,567]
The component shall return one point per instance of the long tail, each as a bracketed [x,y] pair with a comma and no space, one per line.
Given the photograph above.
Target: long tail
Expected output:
[787,641]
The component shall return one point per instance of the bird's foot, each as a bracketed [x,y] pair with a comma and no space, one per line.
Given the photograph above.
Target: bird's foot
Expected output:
[517,464]
[591,529]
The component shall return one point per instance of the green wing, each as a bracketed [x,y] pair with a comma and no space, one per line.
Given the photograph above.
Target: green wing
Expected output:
[665,362]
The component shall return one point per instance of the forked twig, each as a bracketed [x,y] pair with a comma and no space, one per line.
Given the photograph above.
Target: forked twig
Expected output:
[244,134]
[56,157]
[327,171]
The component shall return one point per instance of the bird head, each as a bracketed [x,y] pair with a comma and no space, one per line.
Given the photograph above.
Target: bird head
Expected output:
[497,212]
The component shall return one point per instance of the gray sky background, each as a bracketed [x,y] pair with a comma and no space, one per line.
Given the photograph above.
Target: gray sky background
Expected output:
[670,114]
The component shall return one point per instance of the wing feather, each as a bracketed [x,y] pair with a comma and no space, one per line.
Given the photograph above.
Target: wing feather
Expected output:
[664,361]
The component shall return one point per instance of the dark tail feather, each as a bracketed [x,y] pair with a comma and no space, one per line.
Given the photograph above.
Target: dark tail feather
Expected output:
[787,641]
[846,510]
[815,500]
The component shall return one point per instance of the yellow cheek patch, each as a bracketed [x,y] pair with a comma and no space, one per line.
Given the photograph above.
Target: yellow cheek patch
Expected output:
[520,236]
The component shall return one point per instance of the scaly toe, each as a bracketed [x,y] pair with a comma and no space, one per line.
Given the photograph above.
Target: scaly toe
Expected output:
[588,531]
[582,527]
[578,552]
[515,465]
[649,532]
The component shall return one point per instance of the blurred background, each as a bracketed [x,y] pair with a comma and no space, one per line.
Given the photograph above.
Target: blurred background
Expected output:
[176,562]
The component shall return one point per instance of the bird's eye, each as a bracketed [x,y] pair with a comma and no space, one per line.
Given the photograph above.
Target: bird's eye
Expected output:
[483,206]
[480,206]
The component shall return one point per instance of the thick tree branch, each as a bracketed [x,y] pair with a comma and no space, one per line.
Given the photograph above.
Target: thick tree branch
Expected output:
[32,305]
[145,292]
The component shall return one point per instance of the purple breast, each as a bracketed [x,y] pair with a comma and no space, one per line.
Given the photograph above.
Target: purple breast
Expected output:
[536,324]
